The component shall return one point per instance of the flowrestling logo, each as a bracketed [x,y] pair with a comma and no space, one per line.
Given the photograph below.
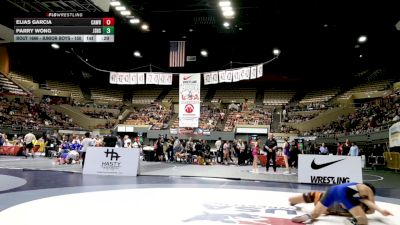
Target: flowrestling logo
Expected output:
[245,214]
[320,166]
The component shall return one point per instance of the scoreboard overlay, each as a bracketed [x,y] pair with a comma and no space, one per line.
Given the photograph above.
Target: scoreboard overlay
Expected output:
[64,29]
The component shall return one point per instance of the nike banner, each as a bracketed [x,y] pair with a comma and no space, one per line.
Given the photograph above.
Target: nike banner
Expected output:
[329,169]
[189,100]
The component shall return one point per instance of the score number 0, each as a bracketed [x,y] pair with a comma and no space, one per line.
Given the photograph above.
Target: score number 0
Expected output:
[108,21]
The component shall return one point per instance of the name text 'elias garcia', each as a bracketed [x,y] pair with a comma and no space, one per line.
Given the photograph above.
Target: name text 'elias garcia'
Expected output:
[33,22]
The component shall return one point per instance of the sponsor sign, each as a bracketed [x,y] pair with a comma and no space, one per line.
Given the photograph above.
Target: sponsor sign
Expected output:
[189,100]
[112,161]
[329,169]
[394,135]
[188,122]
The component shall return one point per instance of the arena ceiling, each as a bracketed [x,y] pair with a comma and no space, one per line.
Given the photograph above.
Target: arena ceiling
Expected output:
[317,39]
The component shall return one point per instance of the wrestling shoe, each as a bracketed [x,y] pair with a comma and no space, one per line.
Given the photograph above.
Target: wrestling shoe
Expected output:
[306,218]
[351,221]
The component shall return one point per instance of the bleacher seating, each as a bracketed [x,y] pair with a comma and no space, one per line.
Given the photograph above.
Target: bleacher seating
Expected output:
[172,96]
[7,86]
[319,96]
[369,87]
[250,117]
[278,97]
[235,95]
[207,121]
[203,93]
[106,95]
[20,77]
[74,89]
[146,96]
[150,115]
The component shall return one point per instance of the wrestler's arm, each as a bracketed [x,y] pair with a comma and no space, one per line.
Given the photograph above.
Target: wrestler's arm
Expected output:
[372,206]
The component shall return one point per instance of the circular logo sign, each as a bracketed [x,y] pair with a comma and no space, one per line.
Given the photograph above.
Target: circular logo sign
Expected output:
[189,108]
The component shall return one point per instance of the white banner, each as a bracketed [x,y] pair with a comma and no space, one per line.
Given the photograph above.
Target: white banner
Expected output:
[207,78]
[214,79]
[189,122]
[126,78]
[120,78]
[133,78]
[189,98]
[228,76]
[260,70]
[140,78]
[222,76]
[112,161]
[329,169]
[165,79]
[113,77]
[149,78]
[253,72]
[241,74]
[236,75]
[246,73]
[394,135]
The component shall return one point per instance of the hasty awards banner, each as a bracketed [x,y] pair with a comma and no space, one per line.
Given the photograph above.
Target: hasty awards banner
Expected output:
[189,99]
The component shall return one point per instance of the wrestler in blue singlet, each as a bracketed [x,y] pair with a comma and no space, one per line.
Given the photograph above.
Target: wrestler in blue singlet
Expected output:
[346,194]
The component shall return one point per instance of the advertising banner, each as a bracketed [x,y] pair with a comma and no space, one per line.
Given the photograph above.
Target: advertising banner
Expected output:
[112,161]
[329,169]
[189,99]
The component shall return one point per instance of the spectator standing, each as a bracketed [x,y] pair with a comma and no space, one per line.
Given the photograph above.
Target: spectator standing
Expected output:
[323,150]
[346,147]
[270,146]
[339,149]
[28,140]
[86,142]
[354,151]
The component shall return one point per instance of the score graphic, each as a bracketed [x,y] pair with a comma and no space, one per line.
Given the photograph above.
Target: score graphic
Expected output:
[64,29]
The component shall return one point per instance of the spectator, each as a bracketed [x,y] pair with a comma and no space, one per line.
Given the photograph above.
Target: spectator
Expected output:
[323,150]
[354,151]
[29,139]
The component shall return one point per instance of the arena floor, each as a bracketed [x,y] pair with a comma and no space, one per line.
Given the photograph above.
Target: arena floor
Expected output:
[37,191]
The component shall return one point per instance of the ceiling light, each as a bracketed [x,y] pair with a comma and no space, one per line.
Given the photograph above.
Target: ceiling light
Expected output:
[120,8]
[115,3]
[361,56]
[226,8]
[276,51]
[137,54]
[362,39]
[190,30]
[204,53]
[145,27]
[228,13]
[126,13]
[163,31]
[55,46]
[224,3]
[134,21]
[226,24]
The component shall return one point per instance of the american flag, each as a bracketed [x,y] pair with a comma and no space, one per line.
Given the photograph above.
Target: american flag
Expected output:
[176,54]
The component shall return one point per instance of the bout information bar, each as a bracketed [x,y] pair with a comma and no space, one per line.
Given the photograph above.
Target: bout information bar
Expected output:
[64,29]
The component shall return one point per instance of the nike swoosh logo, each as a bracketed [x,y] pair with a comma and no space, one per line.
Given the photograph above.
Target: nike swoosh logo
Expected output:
[320,166]
[185,78]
